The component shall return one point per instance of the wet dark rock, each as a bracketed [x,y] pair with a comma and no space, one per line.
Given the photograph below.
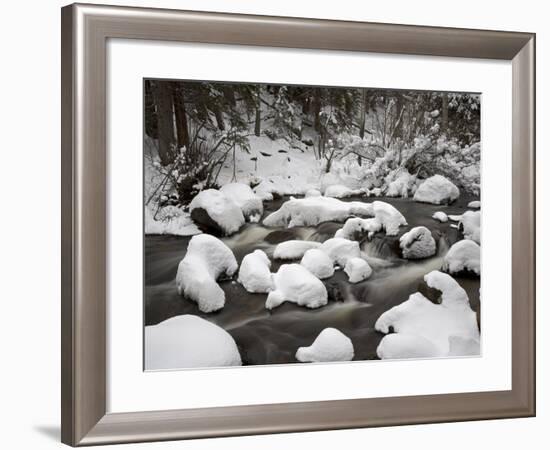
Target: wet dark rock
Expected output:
[278,236]
[205,223]
[334,292]
[432,294]
[325,230]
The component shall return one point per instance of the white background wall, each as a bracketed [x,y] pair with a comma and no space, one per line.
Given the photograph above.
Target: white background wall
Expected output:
[30,189]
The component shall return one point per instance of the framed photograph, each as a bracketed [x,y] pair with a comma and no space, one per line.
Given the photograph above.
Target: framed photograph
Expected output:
[280,224]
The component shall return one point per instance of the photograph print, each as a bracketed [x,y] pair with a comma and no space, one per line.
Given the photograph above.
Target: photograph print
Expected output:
[309,224]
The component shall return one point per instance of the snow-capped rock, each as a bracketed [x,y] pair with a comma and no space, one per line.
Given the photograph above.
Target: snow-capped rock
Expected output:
[254,272]
[357,228]
[264,190]
[329,346]
[294,249]
[318,263]
[470,224]
[357,269]
[215,213]
[440,216]
[476,204]
[242,195]
[294,283]
[188,341]
[340,191]
[400,183]
[389,217]
[339,250]
[207,258]
[437,190]
[417,243]
[313,193]
[419,320]
[463,256]
[311,211]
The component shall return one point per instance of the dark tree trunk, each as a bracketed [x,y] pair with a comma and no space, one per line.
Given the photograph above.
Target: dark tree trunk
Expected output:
[181,116]
[317,109]
[150,113]
[364,108]
[229,94]
[165,121]
[219,118]
[258,120]
[444,112]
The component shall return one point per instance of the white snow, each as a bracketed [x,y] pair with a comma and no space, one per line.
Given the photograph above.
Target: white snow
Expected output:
[355,228]
[313,193]
[471,222]
[417,243]
[318,263]
[311,211]
[188,341]
[389,217]
[264,190]
[294,283]
[330,345]
[207,258]
[476,204]
[222,210]
[440,216]
[463,255]
[357,269]
[341,191]
[339,250]
[400,182]
[169,220]
[254,272]
[242,195]
[293,249]
[437,190]
[419,320]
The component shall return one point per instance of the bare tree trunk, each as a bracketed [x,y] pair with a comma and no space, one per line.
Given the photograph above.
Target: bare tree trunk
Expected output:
[258,119]
[181,117]
[444,112]
[363,114]
[317,109]
[219,118]
[165,118]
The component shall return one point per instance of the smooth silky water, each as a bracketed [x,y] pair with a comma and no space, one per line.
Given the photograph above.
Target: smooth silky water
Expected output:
[272,337]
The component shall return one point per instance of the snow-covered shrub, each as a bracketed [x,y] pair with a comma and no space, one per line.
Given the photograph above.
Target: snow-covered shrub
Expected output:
[389,217]
[357,228]
[207,259]
[418,320]
[470,224]
[341,191]
[417,243]
[400,183]
[357,269]
[294,283]
[437,190]
[318,263]
[169,220]
[311,211]
[188,341]
[242,195]
[222,211]
[463,256]
[254,272]
[330,345]
[339,250]
[440,216]
[294,249]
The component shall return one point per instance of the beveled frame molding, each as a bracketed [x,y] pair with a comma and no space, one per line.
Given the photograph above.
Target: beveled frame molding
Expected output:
[85,30]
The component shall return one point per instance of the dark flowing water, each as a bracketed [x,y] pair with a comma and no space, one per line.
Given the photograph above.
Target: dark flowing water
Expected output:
[272,337]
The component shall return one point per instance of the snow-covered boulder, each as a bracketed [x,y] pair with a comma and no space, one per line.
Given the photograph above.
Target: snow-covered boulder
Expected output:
[357,228]
[188,341]
[264,191]
[400,183]
[437,190]
[341,191]
[357,269]
[207,259]
[475,204]
[417,243]
[318,263]
[242,195]
[440,216]
[389,217]
[329,346]
[215,213]
[254,272]
[463,256]
[294,283]
[313,193]
[294,249]
[339,250]
[470,224]
[311,211]
[418,320]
